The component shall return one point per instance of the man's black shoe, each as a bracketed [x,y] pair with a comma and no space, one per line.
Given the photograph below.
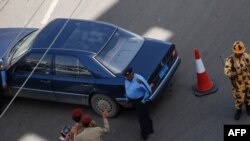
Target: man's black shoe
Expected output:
[237,115]
[144,137]
[248,109]
[152,131]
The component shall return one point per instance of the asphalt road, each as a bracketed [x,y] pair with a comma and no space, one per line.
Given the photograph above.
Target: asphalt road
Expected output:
[209,25]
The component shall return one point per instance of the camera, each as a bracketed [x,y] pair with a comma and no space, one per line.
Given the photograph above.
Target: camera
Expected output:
[65,130]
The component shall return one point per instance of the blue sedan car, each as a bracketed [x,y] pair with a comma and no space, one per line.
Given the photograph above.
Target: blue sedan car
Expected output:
[82,62]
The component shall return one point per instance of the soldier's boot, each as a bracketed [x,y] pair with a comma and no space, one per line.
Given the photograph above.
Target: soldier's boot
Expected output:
[248,109]
[237,115]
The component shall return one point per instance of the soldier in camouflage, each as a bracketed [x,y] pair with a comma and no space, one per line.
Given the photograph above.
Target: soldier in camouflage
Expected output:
[237,68]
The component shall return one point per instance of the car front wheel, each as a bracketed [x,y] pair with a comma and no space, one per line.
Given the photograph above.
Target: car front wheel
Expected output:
[100,102]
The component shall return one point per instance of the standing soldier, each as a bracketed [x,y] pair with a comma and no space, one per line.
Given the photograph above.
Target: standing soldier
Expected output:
[237,68]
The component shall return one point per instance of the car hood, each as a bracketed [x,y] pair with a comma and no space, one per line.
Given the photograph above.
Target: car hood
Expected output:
[9,36]
[149,57]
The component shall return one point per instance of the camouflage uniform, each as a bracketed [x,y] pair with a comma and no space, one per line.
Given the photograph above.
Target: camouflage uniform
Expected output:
[241,82]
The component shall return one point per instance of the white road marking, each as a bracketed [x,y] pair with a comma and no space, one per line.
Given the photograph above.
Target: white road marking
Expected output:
[94,9]
[158,33]
[3,3]
[49,12]
[32,137]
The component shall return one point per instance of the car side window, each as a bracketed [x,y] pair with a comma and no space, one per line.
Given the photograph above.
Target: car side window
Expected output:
[70,66]
[28,63]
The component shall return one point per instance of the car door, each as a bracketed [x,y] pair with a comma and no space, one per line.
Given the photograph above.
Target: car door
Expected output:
[38,85]
[72,82]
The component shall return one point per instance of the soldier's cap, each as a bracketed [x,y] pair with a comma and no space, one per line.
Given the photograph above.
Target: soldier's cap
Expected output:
[128,71]
[76,113]
[238,47]
[86,119]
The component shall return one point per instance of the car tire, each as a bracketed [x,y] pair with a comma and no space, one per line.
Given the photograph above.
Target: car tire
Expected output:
[101,102]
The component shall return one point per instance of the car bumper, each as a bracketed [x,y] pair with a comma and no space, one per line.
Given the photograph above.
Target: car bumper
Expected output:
[166,79]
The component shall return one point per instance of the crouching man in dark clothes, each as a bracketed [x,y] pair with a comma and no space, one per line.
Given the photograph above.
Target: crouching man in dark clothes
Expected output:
[138,92]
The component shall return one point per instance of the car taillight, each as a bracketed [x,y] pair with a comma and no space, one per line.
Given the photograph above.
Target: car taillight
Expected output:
[174,54]
[152,87]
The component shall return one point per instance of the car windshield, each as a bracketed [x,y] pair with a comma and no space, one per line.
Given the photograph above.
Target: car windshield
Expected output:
[21,48]
[120,51]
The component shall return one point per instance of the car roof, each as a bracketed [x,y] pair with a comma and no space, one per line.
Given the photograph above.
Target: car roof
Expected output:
[74,34]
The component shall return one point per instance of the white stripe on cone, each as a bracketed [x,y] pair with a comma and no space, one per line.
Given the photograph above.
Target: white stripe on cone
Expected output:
[199,66]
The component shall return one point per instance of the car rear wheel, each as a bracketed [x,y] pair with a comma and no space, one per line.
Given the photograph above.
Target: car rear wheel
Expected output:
[100,102]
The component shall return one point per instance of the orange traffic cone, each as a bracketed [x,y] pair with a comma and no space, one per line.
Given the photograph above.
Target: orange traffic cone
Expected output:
[204,85]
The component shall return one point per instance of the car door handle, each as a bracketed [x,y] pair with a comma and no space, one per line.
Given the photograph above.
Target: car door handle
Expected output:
[45,81]
[86,85]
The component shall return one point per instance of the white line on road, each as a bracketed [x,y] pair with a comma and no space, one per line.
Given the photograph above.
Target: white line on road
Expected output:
[49,12]
[31,137]
[3,3]
[158,33]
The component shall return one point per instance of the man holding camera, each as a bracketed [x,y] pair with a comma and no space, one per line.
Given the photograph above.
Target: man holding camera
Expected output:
[91,132]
